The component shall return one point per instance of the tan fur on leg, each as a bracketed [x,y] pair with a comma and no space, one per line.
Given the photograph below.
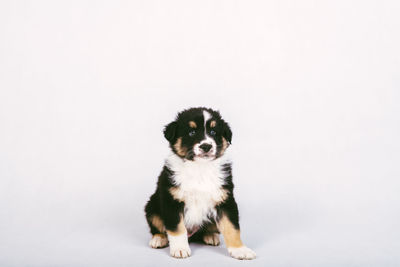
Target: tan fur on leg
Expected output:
[230,233]
[180,229]
[232,240]
[157,223]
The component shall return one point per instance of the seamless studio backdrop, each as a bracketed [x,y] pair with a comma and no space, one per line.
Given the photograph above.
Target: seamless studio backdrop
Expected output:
[311,90]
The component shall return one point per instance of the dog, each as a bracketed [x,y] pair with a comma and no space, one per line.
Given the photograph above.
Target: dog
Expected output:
[194,198]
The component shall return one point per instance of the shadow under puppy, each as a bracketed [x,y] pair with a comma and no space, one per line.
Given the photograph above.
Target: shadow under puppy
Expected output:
[194,194]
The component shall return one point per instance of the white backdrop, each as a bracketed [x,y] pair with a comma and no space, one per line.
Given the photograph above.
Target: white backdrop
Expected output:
[310,88]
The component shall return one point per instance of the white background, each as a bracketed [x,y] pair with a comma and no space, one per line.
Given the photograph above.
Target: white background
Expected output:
[310,88]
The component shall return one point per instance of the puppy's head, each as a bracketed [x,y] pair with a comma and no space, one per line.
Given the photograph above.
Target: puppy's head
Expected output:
[198,133]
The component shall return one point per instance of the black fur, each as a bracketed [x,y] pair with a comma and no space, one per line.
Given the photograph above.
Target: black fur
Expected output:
[162,203]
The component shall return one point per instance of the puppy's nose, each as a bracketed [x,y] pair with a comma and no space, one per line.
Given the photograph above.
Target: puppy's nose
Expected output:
[205,147]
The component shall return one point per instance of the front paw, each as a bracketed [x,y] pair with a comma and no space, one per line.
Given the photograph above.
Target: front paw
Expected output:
[158,241]
[180,252]
[242,253]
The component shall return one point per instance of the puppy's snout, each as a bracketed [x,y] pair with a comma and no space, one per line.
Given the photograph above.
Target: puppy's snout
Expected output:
[205,147]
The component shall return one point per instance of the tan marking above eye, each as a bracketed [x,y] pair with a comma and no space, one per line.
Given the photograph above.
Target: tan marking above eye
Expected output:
[213,124]
[192,124]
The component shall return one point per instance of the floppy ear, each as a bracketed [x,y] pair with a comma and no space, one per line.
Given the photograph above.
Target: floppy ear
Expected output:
[226,132]
[169,131]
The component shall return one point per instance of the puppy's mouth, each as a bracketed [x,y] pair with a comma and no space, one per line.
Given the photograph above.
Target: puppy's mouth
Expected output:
[205,156]
[209,155]
[204,151]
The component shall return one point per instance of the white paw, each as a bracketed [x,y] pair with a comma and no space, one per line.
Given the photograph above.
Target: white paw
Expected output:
[159,241]
[242,253]
[180,252]
[211,239]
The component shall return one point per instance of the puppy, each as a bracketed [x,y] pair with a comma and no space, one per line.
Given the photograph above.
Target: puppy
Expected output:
[194,195]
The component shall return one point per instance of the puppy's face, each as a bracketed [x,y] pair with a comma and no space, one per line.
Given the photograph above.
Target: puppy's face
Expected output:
[198,133]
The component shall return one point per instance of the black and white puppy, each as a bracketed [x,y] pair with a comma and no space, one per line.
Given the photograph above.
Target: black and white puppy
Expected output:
[194,196]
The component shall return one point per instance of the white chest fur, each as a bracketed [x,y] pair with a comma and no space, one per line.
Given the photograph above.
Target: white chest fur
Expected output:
[199,186]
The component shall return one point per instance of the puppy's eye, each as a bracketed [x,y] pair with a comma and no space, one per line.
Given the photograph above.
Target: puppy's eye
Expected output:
[191,133]
[212,132]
